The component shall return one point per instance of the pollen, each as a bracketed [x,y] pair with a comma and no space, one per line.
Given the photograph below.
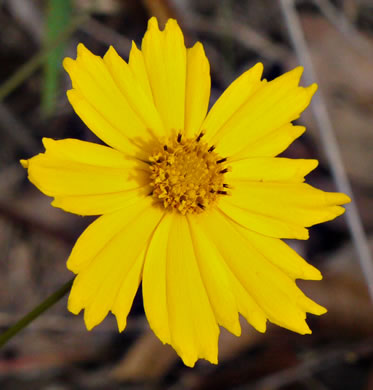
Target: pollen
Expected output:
[187,174]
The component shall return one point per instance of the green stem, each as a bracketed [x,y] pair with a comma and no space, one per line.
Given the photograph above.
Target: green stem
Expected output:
[40,309]
[29,67]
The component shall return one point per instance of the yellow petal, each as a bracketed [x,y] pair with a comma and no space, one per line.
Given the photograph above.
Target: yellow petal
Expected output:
[197,92]
[283,209]
[106,258]
[95,86]
[127,291]
[270,169]
[247,306]
[272,144]
[102,126]
[276,293]
[282,256]
[263,224]
[272,106]
[244,302]
[232,100]
[154,286]
[98,204]
[24,163]
[70,149]
[193,327]
[137,98]
[165,60]
[100,232]
[215,277]
[79,174]
[288,261]
[137,64]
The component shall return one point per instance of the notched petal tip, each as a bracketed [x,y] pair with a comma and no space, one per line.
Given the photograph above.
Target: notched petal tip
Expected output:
[291,78]
[315,308]
[111,50]
[111,56]
[322,310]
[309,166]
[307,305]
[172,24]
[153,23]
[69,262]
[89,320]
[83,56]
[343,198]
[191,361]
[68,64]
[304,235]
[121,321]
[73,306]
[198,46]
[306,330]
[260,325]
[297,131]
[310,273]
[48,142]
[299,326]
[297,72]
[93,315]
[336,198]
[337,211]
[313,164]
[235,328]
[258,69]
[71,94]
[311,90]
[81,50]
[24,163]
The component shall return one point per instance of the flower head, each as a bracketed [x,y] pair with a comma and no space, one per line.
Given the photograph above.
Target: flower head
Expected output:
[193,204]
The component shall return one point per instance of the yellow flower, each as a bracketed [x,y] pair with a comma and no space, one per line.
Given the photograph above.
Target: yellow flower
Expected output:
[192,204]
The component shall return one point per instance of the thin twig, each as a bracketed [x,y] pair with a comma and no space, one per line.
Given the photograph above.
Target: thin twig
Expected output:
[329,142]
[35,313]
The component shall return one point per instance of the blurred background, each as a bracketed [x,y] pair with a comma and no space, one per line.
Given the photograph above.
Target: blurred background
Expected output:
[56,352]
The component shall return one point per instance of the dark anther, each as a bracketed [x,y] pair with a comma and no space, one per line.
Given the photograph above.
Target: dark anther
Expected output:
[179,138]
[225,170]
[221,160]
[201,134]
[212,191]
[212,148]
[201,206]
[151,193]
[225,185]
[222,192]
[165,147]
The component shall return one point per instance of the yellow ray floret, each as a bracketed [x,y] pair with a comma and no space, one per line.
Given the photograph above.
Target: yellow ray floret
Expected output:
[192,204]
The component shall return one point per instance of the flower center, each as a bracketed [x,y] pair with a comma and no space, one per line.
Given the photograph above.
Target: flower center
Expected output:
[187,175]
